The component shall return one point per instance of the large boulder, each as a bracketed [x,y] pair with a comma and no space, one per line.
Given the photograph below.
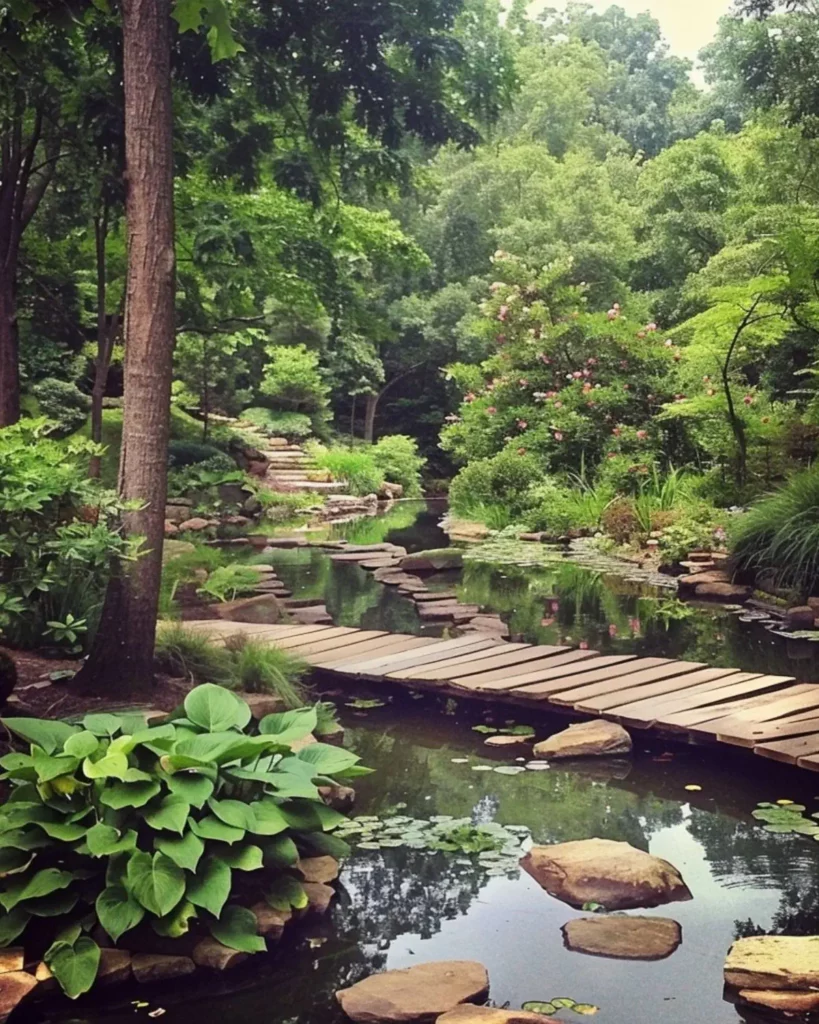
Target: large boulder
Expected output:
[615,875]
[468,1014]
[623,938]
[733,593]
[787,962]
[416,995]
[586,739]
[264,609]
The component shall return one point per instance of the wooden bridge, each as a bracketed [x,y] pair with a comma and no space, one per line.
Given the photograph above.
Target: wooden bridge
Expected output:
[774,716]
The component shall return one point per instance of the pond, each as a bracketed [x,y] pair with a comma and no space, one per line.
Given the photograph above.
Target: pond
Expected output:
[558,602]
[399,906]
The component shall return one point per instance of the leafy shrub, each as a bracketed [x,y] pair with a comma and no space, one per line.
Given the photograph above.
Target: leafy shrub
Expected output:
[260,668]
[281,506]
[228,581]
[203,476]
[295,426]
[292,379]
[185,654]
[506,479]
[58,534]
[356,468]
[397,456]
[779,537]
[620,520]
[697,528]
[560,510]
[63,404]
[191,453]
[179,827]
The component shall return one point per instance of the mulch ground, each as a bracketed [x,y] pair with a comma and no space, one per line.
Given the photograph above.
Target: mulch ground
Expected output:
[38,696]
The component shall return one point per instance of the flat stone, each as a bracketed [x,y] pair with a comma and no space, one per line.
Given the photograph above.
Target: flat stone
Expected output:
[433,561]
[781,1001]
[416,995]
[774,962]
[800,618]
[269,922]
[262,610]
[340,798]
[586,739]
[378,563]
[733,592]
[623,938]
[506,741]
[115,966]
[150,967]
[426,596]
[13,959]
[615,875]
[285,543]
[316,615]
[490,624]
[319,897]
[440,611]
[14,988]
[262,704]
[394,578]
[319,869]
[212,954]
[195,524]
[466,1013]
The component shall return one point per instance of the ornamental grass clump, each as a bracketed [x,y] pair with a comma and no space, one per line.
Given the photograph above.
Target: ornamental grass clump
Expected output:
[177,828]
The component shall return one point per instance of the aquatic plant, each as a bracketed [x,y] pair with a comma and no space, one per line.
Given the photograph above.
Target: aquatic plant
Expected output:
[182,826]
[787,818]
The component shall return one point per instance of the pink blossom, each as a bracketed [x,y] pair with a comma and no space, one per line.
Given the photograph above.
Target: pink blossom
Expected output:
[558,436]
[522,424]
[626,387]
[577,374]
[651,327]
[642,435]
[583,645]
[591,362]
[469,397]
[748,399]
[558,405]
[491,410]
[501,339]
[555,606]
[503,313]
[613,630]
[545,359]
[612,314]
[617,431]
[495,286]
[612,455]
[523,382]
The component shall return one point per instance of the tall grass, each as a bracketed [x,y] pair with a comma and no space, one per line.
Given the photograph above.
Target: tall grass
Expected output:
[356,468]
[184,653]
[262,669]
[779,537]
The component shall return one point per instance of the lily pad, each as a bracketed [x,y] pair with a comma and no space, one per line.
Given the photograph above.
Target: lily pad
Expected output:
[508,769]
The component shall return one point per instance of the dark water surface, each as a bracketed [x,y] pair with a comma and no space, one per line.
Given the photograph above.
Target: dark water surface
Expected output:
[400,907]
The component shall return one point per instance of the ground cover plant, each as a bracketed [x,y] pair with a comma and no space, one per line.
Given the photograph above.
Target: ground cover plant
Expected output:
[178,827]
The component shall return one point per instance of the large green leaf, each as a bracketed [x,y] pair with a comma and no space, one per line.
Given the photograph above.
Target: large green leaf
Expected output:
[237,929]
[269,818]
[325,844]
[210,887]
[81,744]
[50,767]
[286,893]
[307,816]
[112,765]
[171,815]
[288,726]
[42,883]
[105,840]
[212,708]
[325,759]
[26,839]
[243,858]
[177,923]
[74,965]
[55,905]
[46,734]
[185,851]
[14,862]
[235,813]
[192,787]
[129,794]
[63,830]
[102,725]
[156,882]
[12,925]
[280,852]
[211,828]
[118,911]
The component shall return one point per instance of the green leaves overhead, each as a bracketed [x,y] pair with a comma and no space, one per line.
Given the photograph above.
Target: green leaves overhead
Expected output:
[214,15]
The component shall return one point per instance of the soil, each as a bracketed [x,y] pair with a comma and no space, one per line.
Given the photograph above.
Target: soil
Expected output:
[57,700]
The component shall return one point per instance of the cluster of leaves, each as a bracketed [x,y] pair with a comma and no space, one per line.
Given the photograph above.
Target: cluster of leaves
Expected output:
[509,729]
[182,825]
[787,818]
[561,1003]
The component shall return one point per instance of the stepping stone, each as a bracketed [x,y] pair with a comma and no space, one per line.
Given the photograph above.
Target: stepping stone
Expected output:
[774,962]
[586,739]
[416,995]
[619,937]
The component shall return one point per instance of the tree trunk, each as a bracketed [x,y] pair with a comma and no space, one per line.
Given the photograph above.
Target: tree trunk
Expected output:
[121,662]
[9,356]
[369,418]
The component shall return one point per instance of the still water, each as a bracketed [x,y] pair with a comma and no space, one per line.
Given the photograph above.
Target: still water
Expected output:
[399,907]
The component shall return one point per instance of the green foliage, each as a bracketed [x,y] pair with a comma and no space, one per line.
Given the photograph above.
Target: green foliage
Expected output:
[179,826]
[228,581]
[292,379]
[354,467]
[295,426]
[205,475]
[504,480]
[183,653]
[183,453]
[63,404]
[260,668]
[58,534]
[396,455]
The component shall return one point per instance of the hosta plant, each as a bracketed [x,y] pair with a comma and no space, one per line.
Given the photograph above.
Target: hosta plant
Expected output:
[177,827]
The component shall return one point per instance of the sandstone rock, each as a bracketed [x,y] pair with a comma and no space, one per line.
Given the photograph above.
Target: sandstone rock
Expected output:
[12,959]
[433,561]
[466,1013]
[507,741]
[426,596]
[586,739]
[115,966]
[171,529]
[535,538]
[623,938]
[732,592]
[440,611]
[693,580]
[300,744]
[262,704]
[212,954]
[800,618]
[150,967]
[340,798]
[319,897]
[262,610]
[178,511]
[14,987]
[464,530]
[195,524]
[390,492]
[774,962]
[416,995]
[269,922]
[315,616]
[616,875]
[493,624]
[781,1001]
[319,869]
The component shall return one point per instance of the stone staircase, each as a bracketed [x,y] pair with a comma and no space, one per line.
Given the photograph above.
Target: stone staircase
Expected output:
[290,469]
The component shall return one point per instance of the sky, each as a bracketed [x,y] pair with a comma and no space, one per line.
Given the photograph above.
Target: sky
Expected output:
[687,24]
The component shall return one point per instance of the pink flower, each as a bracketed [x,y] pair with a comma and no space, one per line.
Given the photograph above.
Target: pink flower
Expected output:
[501,339]
[555,606]
[612,455]
[545,359]
[642,435]
[577,374]
[617,431]
[591,362]
[583,645]
[634,625]
[522,424]
[469,397]
[651,327]
[495,286]
[613,630]
[748,399]
[503,313]
[491,410]
[558,436]
[523,382]
[558,405]
[612,314]
[625,387]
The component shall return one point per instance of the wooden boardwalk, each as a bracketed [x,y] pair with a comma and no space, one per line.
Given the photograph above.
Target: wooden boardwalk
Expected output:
[772,715]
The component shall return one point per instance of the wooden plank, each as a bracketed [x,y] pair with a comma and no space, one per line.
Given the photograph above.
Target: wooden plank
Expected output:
[373,647]
[217,627]
[402,644]
[439,652]
[578,696]
[330,633]
[700,722]
[718,703]
[641,714]
[331,644]
[513,654]
[609,703]
[750,734]
[503,679]
[749,724]
[557,679]
[810,763]
[790,751]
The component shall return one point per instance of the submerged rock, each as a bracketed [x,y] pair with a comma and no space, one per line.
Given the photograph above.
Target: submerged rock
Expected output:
[269,922]
[416,995]
[733,592]
[586,739]
[623,938]
[800,618]
[615,875]
[150,967]
[212,954]
[319,869]
[507,741]
[319,898]
[467,1014]
[774,962]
